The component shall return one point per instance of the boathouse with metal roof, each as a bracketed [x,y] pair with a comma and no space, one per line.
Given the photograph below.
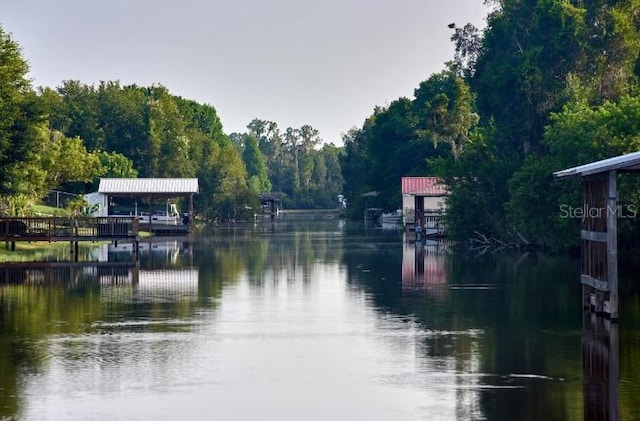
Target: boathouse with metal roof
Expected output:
[423,200]
[599,229]
[152,191]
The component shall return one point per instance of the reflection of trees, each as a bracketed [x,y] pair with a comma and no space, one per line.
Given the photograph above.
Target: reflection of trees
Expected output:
[280,254]
[40,300]
[629,335]
[523,310]
[85,299]
[27,315]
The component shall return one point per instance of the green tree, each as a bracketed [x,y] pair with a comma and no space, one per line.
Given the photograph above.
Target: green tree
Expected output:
[168,146]
[528,49]
[20,118]
[66,159]
[292,145]
[76,112]
[116,165]
[217,163]
[577,135]
[232,199]
[354,165]
[124,117]
[447,106]
[254,162]
[535,57]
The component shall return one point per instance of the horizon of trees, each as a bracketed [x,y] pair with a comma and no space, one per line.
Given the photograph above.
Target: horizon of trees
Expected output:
[69,136]
[547,85]
[293,162]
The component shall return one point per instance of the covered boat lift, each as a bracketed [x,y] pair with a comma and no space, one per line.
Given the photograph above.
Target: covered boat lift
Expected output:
[152,189]
[599,236]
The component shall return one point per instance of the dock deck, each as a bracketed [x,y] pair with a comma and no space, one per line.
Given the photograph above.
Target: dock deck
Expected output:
[67,229]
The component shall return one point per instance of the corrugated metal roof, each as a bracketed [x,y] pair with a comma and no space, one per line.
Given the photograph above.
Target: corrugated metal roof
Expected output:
[622,162]
[424,186]
[148,185]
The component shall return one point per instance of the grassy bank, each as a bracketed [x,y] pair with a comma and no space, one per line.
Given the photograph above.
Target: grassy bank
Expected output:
[40,251]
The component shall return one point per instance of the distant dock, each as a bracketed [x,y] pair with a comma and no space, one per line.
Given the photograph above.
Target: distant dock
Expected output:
[74,230]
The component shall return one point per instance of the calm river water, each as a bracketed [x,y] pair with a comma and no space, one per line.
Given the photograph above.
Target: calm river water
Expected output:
[305,320]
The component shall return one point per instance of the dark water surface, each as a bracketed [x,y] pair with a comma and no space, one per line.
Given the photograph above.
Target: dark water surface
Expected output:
[312,321]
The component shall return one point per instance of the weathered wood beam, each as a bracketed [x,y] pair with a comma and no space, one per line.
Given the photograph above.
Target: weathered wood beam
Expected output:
[595,283]
[599,237]
[612,243]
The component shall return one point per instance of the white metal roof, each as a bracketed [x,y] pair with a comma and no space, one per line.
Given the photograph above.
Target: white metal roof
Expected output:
[630,161]
[161,186]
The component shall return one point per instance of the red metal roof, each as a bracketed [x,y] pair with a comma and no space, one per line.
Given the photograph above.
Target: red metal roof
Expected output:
[424,186]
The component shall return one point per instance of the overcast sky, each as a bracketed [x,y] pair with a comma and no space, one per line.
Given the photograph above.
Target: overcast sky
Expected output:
[326,63]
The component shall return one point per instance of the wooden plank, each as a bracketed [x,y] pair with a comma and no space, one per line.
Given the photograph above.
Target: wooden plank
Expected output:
[67,229]
[595,283]
[600,237]
[612,244]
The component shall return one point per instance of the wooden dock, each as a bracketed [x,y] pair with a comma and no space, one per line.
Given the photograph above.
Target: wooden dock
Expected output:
[74,230]
[599,215]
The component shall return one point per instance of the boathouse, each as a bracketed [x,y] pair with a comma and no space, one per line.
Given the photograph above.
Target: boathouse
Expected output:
[150,199]
[270,204]
[423,200]
[599,229]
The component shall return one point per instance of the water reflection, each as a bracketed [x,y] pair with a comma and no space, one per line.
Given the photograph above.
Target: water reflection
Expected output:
[423,267]
[600,359]
[305,320]
[497,327]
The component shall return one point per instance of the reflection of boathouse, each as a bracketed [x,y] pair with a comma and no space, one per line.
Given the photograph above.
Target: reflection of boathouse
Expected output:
[59,273]
[151,286]
[423,266]
[122,282]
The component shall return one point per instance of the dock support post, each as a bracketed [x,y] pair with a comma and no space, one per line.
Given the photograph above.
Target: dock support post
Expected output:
[135,275]
[136,249]
[600,244]
[74,249]
[190,227]
[611,307]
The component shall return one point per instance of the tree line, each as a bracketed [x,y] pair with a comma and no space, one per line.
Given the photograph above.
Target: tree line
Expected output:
[295,163]
[547,85]
[69,136]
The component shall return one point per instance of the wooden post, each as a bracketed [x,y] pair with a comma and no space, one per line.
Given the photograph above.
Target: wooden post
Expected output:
[601,368]
[611,307]
[599,243]
[150,213]
[135,274]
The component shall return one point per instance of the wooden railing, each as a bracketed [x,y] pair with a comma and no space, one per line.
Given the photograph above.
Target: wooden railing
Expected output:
[58,228]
